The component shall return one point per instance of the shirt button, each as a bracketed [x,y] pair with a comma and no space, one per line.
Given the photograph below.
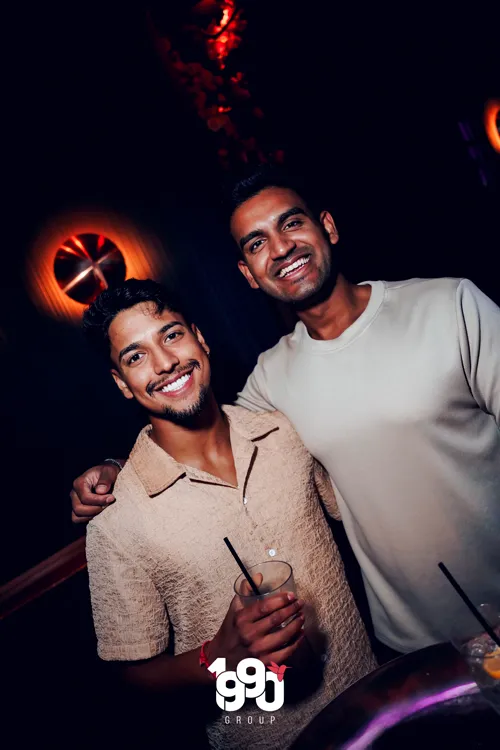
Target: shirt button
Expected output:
[272,552]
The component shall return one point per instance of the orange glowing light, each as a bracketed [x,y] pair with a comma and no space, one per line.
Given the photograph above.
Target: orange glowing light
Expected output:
[96,264]
[142,254]
[491,115]
[79,244]
[70,250]
[223,36]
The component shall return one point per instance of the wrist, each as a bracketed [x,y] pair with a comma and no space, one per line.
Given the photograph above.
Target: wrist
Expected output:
[205,658]
[211,650]
[114,462]
[217,649]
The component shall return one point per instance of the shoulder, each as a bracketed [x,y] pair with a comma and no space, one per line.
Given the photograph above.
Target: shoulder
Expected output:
[261,424]
[473,303]
[121,517]
[282,350]
[466,287]
[446,285]
[252,423]
[418,294]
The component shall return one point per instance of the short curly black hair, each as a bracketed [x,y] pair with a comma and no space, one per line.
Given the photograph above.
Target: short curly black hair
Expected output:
[99,315]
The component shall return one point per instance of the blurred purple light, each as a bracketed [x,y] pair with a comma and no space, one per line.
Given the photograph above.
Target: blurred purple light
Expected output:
[395,714]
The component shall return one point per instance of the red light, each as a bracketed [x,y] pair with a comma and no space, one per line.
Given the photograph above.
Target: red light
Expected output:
[79,244]
[85,265]
[491,114]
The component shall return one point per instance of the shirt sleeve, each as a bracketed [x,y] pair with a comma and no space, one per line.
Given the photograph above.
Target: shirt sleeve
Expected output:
[255,395]
[478,320]
[325,490]
[130,618]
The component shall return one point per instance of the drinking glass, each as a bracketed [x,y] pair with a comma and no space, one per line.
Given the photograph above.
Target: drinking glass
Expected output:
[277,576]
[480,652]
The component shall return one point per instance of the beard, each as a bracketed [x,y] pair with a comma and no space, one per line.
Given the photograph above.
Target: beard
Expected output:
[183,417]
[318,294]
[186,417]
[309,294]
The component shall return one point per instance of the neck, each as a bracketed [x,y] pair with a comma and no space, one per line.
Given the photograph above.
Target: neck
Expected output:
[328,318]
[191,444]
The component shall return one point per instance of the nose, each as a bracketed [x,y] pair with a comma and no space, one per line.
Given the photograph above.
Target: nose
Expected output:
[165,361]
[282,246]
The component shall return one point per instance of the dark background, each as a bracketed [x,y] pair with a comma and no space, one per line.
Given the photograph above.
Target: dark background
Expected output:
[365,101]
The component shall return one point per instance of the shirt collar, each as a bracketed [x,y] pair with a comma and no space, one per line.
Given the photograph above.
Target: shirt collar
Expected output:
[157,470]
[250,424]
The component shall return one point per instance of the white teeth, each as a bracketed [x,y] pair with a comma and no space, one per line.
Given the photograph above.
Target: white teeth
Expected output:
[298,263]
[176,385]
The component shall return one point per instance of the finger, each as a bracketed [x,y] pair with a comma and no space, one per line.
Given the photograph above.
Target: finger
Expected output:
[236,605]
[91,500]
[76,519]
[104,474]
[281,616]
[250,632]
[275,642]
[107,478]
[264,607]
[87,510]
[272,632]
[245,586]
[282,655]
[88,480]
[86,513]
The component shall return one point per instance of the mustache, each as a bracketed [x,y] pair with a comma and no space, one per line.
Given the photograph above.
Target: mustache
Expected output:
[192,364]
[292,256]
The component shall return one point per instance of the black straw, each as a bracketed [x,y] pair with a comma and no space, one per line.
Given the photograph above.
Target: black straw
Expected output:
[242,567]
[477,614]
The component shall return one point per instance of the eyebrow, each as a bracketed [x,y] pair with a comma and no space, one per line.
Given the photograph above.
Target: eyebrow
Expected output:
[136,344]
[290,212]
[281,218]
[249,236]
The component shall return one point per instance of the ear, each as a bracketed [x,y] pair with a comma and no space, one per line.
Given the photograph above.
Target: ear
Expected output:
[121,384]
[328,223]
[200,338]
[247,274]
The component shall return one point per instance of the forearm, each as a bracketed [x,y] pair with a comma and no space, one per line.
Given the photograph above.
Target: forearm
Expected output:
[165,673]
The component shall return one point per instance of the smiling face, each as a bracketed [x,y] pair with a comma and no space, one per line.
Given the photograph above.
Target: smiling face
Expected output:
[287,253]
[160,361]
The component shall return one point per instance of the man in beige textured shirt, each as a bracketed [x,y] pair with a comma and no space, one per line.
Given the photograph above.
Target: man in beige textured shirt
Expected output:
[161,577]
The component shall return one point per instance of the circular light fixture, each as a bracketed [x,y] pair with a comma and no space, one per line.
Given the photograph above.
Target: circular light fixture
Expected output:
[492,123]
[86,264]
[77,254]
